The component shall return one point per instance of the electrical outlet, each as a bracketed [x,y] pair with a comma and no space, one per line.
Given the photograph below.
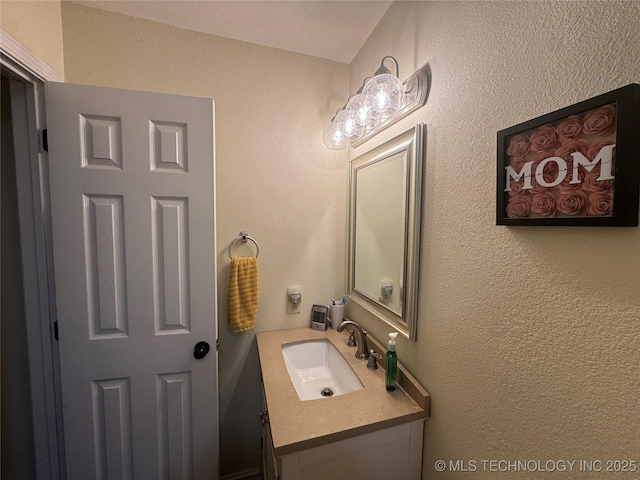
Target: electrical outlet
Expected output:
[291,308]
[294,298]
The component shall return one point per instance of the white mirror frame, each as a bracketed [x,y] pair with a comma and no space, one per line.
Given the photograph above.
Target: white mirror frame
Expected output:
[413,142]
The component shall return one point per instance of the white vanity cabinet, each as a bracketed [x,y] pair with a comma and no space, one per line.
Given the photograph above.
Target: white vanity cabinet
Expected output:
[392,453]
[365,434]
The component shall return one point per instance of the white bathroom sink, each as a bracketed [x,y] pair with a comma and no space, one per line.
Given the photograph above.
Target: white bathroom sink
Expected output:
[318,370]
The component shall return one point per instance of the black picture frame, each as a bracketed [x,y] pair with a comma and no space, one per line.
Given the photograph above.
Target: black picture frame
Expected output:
[599,182]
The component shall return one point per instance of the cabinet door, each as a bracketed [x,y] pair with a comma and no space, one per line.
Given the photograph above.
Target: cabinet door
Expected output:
[269,466]
[393,453]
[268,460]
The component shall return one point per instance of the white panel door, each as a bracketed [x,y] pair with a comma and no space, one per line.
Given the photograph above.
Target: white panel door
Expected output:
[132,194]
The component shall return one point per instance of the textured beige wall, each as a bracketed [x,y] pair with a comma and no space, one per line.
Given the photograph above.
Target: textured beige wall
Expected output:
[274,176]
[37,26]
[528,337]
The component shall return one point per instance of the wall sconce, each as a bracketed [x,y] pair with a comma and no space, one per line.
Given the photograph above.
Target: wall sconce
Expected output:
[381,101]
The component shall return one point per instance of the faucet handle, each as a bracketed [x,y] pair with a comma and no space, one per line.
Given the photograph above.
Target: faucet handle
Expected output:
[372,364]
[352,339]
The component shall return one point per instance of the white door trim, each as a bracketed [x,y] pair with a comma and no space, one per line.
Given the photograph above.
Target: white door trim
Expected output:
[27,60]
[37,251]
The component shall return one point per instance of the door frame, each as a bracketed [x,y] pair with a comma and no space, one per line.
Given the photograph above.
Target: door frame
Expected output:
[28,74]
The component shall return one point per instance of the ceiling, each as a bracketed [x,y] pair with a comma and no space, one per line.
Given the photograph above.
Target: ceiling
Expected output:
[335,29]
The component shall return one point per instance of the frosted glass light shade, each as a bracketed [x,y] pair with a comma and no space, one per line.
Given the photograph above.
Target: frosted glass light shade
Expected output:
[386,93]
[333,137]
[362,104]
[346,121]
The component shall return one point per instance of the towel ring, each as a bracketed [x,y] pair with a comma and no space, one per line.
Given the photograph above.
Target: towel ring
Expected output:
[243,237]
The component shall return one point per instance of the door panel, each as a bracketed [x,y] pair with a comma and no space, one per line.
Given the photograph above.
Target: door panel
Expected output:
[174,395]
[132,192]
[112,428]
[170,264]
[105,264]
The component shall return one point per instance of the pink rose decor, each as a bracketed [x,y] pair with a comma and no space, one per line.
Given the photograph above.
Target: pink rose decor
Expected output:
[586,133]
[572,203]
[594,150]
[517,163]
[550,169]
[592,184]
[601,121]
[600,204]
[536,187]
[571,146]
[543,138]
[570,129]
[518,146]
[516,188]
[566,187]
[544,204]
[519,206]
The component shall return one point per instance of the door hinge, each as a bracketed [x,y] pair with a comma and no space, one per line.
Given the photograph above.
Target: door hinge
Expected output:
[217,344]
[45,140]
[55,330]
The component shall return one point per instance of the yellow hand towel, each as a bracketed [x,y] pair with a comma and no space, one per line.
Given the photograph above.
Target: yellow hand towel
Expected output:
[242,295]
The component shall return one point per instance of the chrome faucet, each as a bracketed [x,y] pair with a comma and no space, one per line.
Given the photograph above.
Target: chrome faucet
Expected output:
[363,350]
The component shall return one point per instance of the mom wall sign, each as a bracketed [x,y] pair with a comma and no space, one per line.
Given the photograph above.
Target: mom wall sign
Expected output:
[576,166]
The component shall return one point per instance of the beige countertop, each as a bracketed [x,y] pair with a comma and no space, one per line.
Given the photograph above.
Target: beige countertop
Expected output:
[297,425]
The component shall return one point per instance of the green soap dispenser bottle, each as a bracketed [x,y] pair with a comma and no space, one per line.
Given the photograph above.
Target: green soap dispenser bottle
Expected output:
[392,363]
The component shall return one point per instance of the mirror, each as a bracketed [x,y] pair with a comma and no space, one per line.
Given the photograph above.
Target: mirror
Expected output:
[384,230]
[379,230]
